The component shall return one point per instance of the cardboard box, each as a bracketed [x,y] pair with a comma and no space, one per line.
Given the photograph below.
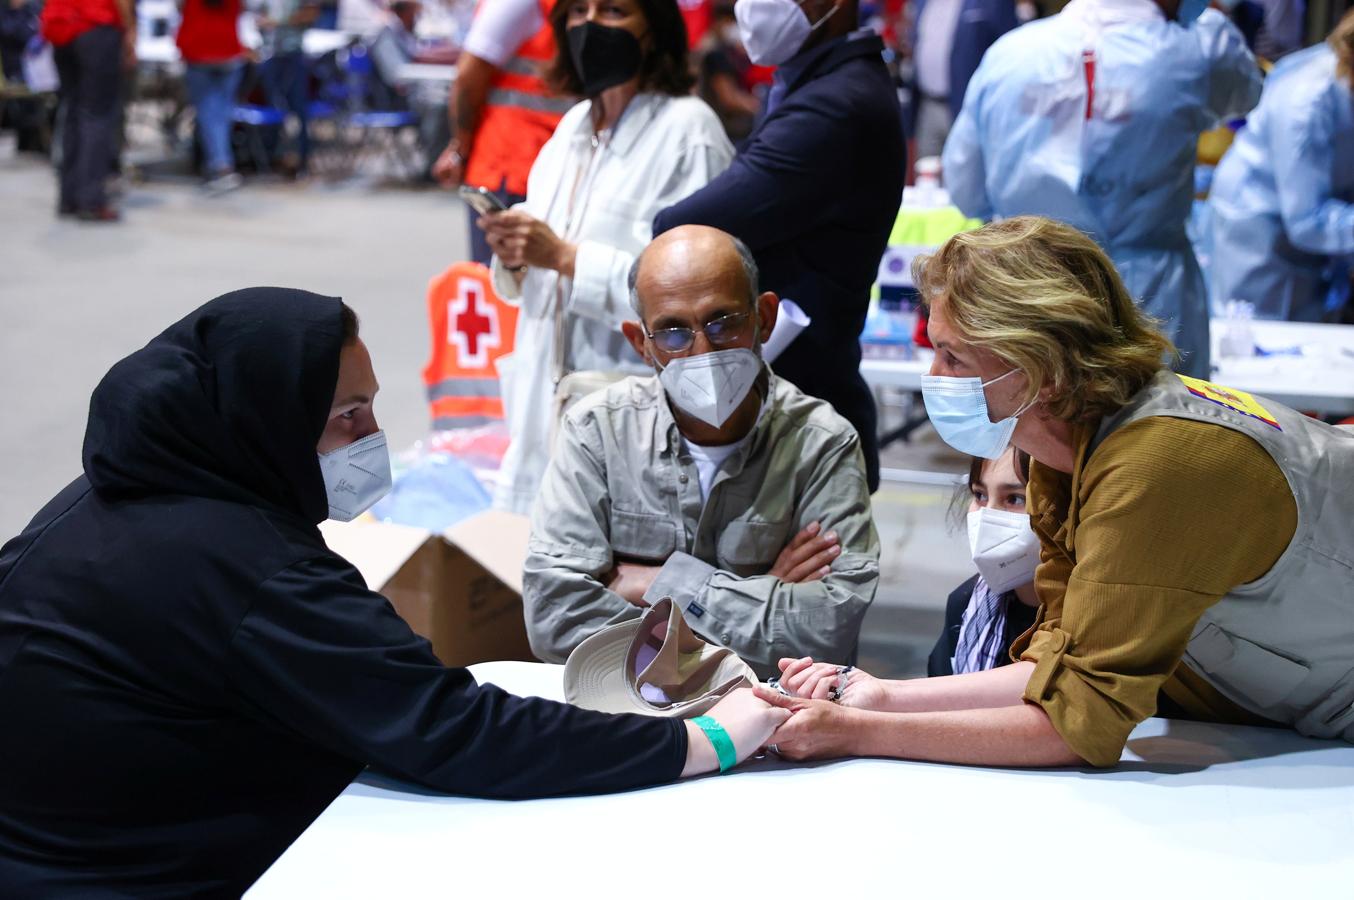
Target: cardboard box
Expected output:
[461,589]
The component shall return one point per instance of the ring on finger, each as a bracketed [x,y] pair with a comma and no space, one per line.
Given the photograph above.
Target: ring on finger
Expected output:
[843,676]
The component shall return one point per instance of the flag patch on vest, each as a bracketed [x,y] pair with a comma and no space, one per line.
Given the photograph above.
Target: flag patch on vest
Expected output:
[1237,401]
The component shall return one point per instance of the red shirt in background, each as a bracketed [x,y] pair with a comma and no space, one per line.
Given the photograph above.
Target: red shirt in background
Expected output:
[65,20]
[756,75]
[208,33]
[697,15]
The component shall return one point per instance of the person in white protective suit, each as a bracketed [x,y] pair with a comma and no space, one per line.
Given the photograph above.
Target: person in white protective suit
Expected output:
[1282,201]
[1092,117]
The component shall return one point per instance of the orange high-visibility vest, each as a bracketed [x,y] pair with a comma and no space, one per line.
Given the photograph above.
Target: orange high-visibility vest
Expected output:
[519,116]
[471,328]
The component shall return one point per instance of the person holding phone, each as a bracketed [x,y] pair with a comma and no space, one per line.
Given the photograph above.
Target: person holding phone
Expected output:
[482,200]
[501,111]
[639,143]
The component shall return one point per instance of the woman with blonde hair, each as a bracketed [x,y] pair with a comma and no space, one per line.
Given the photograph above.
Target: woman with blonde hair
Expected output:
[1282,200]
[1195,539]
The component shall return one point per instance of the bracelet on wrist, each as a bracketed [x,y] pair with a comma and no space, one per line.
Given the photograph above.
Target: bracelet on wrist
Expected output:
[720,740]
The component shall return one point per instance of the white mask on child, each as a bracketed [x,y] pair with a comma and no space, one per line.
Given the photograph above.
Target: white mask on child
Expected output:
[1004,546]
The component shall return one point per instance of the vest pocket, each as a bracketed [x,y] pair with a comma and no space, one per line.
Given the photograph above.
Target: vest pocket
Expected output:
[1260,676]
[642,537]
[1333,715]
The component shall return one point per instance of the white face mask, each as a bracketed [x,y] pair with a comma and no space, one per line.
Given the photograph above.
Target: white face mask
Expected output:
[773,31]
[1005,549]
[712,385]
[356,476]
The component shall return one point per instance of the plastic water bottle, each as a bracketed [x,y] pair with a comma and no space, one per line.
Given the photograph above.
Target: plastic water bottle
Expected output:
[1238,337]
[926,172]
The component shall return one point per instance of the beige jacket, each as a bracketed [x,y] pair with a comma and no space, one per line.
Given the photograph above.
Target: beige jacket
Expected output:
[620,489]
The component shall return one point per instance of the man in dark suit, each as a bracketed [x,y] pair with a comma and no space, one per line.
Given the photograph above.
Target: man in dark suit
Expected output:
[949,38]
[813,192]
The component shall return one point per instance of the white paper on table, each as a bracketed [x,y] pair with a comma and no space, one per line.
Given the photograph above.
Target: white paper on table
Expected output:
[790,320]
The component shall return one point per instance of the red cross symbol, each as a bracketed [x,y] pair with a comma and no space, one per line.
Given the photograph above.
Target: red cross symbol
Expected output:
[472,331]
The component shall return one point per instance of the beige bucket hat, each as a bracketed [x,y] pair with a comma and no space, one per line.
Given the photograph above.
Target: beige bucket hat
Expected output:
[655,666]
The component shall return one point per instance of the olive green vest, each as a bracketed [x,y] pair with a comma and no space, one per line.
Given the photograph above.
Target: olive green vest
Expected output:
[1281,646]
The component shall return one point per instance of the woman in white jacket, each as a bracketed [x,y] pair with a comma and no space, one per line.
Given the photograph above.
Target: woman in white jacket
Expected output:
[639,144]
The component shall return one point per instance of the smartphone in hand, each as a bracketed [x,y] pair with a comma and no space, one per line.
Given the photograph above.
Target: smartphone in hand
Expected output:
[482,200]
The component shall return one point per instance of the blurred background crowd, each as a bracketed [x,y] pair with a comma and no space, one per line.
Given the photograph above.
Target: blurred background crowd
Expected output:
[237,87]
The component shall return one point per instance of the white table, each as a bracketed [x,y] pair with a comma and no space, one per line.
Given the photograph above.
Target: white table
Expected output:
[157,50]
[1193,811]
[319,41]
[1320,380]
[438,73]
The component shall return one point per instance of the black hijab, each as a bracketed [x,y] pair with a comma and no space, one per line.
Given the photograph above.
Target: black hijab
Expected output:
[227,403]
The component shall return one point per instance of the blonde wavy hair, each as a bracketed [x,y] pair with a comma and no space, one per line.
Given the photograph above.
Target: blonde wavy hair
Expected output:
[1341,40]
[1046,300]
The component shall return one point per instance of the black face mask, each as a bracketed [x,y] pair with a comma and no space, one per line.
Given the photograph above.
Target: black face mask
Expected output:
[603,56]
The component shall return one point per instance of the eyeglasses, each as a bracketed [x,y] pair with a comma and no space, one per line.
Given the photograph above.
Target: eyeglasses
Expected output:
[719,332]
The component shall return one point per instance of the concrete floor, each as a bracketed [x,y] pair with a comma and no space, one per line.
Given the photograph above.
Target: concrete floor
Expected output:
[75,298]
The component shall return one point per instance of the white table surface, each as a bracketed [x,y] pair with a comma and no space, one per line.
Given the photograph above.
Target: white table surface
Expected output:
[157,50]
[435,72]
[1320,380]
[1194,810]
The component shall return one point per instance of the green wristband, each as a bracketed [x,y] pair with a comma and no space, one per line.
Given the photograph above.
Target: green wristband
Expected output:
[720,740]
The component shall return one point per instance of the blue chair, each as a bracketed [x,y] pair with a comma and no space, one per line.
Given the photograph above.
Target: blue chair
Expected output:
[254,119]
[326,144]
[327,113]
[380,132]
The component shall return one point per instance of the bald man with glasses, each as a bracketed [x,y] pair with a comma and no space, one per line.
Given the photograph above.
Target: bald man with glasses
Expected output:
[711,482]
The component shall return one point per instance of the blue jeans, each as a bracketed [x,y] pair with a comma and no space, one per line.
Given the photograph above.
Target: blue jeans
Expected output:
[212,90]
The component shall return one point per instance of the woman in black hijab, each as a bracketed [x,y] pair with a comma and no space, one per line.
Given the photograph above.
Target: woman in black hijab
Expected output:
[188,676]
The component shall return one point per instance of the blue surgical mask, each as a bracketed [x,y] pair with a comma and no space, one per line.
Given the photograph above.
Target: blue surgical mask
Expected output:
[957,407]
[356,476]
[1189,11]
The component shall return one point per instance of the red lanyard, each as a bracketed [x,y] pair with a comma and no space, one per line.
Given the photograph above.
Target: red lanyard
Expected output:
[1088,66]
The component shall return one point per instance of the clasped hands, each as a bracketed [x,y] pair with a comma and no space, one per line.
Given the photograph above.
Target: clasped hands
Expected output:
[817,728]
[820,728]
